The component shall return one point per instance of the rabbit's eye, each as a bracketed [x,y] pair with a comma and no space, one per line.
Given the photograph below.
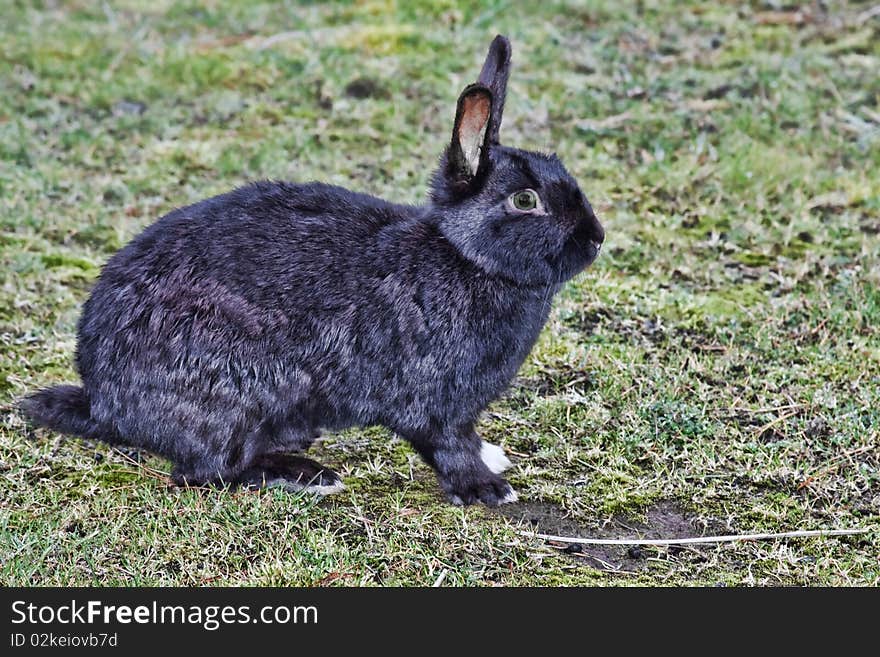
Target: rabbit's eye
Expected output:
[524,201]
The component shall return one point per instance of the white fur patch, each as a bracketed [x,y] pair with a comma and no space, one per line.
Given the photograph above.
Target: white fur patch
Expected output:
[510,497]
[494,458]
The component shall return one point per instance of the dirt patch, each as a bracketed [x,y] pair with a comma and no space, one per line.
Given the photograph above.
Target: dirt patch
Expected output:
[551,382]
[366,88]
[647,332]
[665,519]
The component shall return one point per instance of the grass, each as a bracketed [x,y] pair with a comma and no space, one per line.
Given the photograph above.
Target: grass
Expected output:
[716,371]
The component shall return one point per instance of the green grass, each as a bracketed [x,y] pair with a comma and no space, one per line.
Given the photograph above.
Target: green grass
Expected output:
[716,371]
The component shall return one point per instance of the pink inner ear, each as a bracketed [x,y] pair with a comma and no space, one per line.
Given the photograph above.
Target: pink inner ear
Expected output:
[472,127]
[475,114]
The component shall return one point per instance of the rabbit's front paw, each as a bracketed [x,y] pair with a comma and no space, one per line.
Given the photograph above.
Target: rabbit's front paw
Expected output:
[491,490]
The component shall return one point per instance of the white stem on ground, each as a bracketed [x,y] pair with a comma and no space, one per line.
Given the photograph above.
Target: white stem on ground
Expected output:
[700,539]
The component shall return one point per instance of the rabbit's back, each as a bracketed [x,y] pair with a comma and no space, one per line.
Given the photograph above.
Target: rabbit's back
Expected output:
[244,263]
[222,316]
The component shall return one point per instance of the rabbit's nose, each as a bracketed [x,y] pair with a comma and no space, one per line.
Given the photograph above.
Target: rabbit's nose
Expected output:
[597,232]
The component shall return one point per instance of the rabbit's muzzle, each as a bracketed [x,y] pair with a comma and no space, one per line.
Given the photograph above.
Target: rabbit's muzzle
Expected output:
[590,234]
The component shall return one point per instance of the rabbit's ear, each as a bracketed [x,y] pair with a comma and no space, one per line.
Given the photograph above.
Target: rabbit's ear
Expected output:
[494,77]
[468,152]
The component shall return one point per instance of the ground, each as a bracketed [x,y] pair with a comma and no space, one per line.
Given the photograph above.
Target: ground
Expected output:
[716,371]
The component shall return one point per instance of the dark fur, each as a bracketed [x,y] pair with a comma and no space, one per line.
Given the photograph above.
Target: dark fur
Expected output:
[229,332]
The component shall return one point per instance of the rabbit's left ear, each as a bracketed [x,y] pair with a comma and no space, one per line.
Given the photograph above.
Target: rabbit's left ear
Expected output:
[468,152]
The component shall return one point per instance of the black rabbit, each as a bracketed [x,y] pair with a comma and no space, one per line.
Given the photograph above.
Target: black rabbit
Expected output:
[228,333]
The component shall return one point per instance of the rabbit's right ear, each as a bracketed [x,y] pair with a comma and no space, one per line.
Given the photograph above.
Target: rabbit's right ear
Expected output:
[493,76]
[468,154]
[478,118]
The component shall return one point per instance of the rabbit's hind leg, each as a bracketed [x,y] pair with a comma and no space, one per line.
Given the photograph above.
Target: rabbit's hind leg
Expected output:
[292,473]
[262,457]
[276,463]
[202,472]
